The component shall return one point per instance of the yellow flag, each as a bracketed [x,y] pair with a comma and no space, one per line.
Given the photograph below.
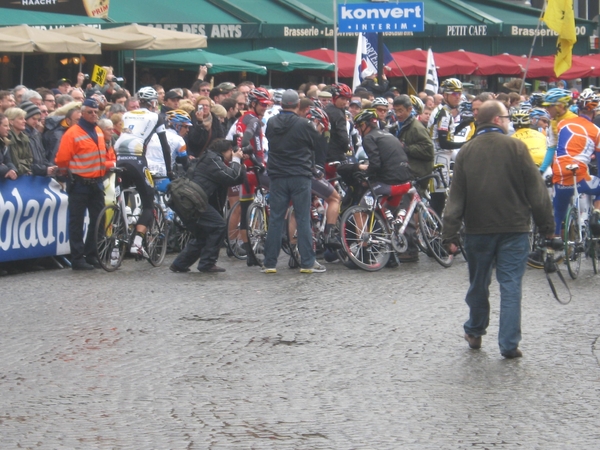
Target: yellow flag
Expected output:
[560,17]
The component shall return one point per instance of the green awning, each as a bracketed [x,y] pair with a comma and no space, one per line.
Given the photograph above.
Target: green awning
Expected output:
[11,17]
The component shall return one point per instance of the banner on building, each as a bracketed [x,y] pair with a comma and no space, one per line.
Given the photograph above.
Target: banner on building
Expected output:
[89,8]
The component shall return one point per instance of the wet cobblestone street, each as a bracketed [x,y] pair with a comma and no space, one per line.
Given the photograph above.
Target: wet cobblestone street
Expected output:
[144,358]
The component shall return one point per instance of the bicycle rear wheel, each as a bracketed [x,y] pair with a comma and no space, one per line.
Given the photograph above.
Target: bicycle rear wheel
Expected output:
[365,238]
[257,230]
[431,229]
[110,234]
[232,238]
[157,237]
[573,245]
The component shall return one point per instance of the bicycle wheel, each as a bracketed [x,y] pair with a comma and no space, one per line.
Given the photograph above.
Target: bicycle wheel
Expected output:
[179,235]
[157,237]
[110,234]
[257,230]
[365,238]
[594,253]
[573,245]
[232,240]
[431,229]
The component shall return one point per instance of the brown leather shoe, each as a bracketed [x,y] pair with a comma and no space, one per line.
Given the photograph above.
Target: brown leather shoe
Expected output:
[516,353]
[474,342]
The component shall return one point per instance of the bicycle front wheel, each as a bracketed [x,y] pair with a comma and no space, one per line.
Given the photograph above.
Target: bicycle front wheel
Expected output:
[157,237]
[365,238]
[257,230]
[111,238]
[573,243]
[431,230]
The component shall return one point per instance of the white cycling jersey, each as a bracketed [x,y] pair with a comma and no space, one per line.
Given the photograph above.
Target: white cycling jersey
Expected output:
[138,128]
[154,154]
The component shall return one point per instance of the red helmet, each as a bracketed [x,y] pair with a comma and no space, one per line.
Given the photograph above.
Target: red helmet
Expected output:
[316,113]
[341,90]
[260,95]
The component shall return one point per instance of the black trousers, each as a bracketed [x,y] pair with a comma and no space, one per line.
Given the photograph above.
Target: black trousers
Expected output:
[83,197]
[209,232]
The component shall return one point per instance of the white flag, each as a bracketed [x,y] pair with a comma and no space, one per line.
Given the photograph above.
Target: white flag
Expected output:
[358,63]
[431,79]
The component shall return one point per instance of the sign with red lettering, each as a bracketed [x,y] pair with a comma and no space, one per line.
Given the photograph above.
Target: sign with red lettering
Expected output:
[90,8]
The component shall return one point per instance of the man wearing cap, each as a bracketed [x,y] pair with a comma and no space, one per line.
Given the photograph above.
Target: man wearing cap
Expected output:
[217,95]
[292,144]
[227,88]
[40,166]
[170,102]
[325,98]
[82,152]
[63,86]
[369,77]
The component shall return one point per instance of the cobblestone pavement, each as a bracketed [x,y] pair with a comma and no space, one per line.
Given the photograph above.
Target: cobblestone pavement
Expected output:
[147,359]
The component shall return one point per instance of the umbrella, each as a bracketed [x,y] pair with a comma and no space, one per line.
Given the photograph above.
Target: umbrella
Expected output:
[345,60]
[446,65]
[162,40]
[45,41]
[592,61]
[193,58]
[109,39]
[282,61]
[486,65]
[409,66]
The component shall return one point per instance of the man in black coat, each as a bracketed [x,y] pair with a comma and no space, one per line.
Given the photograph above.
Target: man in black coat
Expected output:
[212,174]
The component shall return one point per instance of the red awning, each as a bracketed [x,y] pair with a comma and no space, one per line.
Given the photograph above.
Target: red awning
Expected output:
[537,68]
[446,65]
[345,60]
[578,69]
[408,65]
[486,65]
[591,61]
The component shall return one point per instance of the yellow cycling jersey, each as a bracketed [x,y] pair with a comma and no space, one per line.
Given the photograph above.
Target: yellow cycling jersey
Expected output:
[535,142]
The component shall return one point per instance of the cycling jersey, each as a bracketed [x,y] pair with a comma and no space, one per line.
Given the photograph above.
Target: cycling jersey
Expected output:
[154,156]
[578,140]
[535,142]
[441,128]
[138,128]
[250,127]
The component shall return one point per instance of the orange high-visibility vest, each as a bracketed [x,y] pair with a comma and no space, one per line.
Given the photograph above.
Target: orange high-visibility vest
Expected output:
[80,154]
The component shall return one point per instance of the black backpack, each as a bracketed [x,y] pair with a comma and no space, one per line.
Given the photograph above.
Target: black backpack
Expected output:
[186,197]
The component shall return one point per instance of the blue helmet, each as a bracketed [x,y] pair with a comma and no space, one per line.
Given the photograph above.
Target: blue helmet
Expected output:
[557,96]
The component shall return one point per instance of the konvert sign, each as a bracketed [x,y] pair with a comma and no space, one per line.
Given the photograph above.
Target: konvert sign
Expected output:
[381,18]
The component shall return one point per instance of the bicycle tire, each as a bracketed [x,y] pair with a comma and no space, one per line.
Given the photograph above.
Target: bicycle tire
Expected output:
[595,254]
[110,232]
[431,228]
[367,241]
[157,237]
[257,230]
[573,245]
[232,240]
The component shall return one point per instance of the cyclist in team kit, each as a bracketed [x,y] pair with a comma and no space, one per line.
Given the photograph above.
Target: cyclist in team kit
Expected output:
[249,126]
[138,128]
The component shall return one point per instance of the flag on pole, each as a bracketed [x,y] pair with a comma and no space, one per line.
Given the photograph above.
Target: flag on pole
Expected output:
[367,56]
[431,79]
[560,17]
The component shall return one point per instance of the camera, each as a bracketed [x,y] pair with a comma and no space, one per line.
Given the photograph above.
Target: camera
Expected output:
[200,108]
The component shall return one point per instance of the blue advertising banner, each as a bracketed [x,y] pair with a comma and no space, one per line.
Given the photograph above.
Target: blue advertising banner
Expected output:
[33,218]
[381,18]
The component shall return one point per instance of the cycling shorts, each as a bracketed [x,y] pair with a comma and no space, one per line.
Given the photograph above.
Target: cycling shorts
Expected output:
[137,174]
[322,188]
[249,187]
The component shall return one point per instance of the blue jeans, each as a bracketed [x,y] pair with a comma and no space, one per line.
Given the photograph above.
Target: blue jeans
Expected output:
[509,252]
[282,191]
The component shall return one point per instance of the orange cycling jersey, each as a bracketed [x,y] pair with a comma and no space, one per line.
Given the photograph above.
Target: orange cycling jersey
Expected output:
[578,139]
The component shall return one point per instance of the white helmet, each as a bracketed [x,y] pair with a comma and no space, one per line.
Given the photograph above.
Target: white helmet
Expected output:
[379,101]
[147,94]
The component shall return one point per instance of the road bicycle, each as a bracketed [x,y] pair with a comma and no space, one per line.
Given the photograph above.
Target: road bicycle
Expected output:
[371,234]
[579,240]
[179,235]
[115,229]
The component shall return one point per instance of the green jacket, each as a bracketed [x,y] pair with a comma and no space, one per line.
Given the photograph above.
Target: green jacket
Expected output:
[20,152]
[418,146]
[496,188]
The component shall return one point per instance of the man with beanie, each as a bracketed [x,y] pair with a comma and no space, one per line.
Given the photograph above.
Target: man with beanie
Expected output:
[41,166]
[292,143]
[82,152]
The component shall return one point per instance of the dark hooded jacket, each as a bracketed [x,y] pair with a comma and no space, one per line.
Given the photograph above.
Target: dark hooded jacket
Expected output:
[292,143]
[53,133]
[6,164]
